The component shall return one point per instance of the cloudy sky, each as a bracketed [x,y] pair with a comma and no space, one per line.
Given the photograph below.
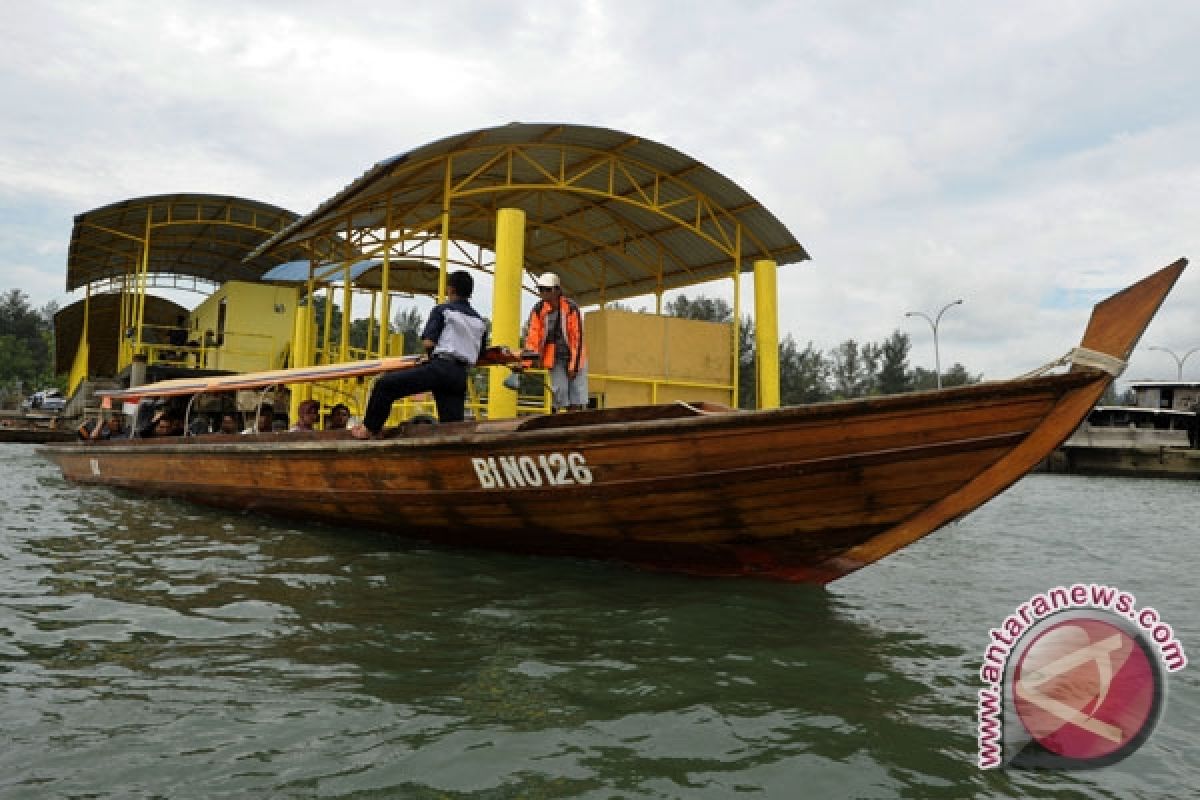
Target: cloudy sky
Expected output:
[1024,156]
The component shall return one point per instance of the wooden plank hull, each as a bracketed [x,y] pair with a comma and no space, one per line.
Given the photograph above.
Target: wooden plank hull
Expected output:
[807,493]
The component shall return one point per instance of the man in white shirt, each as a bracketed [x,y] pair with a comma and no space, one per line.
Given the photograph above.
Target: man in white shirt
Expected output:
[454,338]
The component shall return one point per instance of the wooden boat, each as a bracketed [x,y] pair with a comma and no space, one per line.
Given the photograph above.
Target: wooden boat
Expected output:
[34,432]
[807,493]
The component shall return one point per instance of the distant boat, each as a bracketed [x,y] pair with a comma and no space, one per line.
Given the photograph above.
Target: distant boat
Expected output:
[808,493]
[31,430]
[1158,438]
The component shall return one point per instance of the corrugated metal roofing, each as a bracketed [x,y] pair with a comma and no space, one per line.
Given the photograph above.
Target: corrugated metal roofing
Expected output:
[404,275]
[615,215]
[207,237]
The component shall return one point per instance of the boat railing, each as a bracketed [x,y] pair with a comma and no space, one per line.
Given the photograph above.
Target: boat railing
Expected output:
[535,397]
[656,385]
[238,351]
[1110,436]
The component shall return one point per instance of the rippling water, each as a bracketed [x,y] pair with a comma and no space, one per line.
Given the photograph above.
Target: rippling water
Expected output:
[150,648]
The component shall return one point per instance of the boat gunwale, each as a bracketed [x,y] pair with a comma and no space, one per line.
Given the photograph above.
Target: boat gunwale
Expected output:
[479,433]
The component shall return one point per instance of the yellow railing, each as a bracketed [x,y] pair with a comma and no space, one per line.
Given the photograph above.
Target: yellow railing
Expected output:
[656,384]
[243,352]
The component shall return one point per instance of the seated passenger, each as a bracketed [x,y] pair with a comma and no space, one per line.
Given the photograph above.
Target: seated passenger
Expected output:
[102,429]
[113,428]
[169,424]
[266,415]
[308,415]
[339,418]
[229,424]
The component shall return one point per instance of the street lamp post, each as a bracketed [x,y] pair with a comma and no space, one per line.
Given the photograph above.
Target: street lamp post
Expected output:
[933,323]
[1178,361]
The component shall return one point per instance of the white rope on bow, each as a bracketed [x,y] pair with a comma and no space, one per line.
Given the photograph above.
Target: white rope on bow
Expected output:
[1083,357]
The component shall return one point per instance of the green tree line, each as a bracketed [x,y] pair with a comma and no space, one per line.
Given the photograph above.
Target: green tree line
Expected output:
[26,346]
[808,375]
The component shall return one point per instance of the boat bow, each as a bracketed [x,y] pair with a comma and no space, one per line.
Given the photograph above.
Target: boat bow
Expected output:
[1115,327]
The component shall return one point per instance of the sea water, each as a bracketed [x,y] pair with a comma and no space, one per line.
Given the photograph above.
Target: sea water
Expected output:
[151,648]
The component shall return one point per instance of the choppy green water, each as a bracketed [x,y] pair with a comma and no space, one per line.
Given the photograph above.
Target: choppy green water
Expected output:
[153,649]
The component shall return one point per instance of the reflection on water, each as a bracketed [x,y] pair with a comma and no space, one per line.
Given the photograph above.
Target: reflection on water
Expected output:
[152,648]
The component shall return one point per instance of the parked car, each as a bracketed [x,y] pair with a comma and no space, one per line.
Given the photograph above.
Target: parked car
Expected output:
[50,400]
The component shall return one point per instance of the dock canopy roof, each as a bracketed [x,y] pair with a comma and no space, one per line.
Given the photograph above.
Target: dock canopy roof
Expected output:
[615,215]
[192,239]
[410,275]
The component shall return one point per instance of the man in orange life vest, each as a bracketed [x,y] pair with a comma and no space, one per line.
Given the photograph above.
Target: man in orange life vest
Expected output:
[556,333]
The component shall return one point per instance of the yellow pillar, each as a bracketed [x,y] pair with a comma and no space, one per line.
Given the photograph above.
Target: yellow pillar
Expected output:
[327,351]
[385,309]
[506,305]
[142,284]
[87,324]
[301,333]
[385,289]
[735,329]
[347,305]
[124,349]
[766,333]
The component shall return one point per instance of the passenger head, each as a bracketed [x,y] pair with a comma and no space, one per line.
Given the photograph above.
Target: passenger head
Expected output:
[266,414]
[309,414]
[462,283]
[229,423]
[339,417]
[169,424]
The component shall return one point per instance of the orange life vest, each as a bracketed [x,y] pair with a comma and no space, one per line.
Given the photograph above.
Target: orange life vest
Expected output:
[543,341]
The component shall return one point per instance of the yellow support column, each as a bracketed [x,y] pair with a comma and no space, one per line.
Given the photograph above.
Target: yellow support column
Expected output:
[347,306]
[142,284]
[301,354]
[766,333]
[506,305]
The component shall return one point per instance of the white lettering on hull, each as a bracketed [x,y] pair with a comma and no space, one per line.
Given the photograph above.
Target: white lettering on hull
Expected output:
[531,472]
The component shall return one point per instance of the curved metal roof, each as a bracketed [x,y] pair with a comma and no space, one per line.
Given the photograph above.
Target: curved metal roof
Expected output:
[410,275]
[193,239]
[615,215]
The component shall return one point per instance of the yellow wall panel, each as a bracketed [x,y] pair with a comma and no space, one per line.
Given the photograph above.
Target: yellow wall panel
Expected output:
[259,320]
[657,351]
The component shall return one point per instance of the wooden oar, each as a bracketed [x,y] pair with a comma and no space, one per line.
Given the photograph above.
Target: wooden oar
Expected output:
[492,356]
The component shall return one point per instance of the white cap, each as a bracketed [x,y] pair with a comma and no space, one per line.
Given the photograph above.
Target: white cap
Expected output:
[549,280]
